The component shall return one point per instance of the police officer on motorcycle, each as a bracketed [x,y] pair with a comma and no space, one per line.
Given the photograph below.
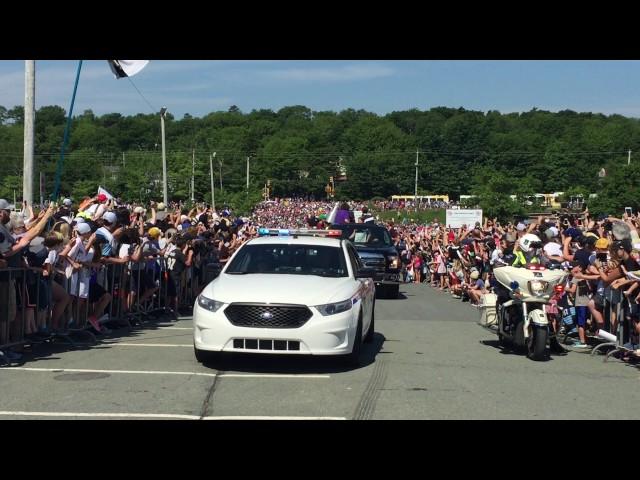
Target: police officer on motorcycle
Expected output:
[527,251]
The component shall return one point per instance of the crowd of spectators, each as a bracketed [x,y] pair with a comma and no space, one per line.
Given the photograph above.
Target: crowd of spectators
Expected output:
[601,255]
[66,249]
[76,241]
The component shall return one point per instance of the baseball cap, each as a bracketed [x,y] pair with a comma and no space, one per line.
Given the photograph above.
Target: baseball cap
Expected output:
[67,202]
[109,217]
[102,197]
[138,210]
[79,219]
[551,232]
[602,243]
[161,206]
[83,228]
[4,205]
[520,227]
[154,232]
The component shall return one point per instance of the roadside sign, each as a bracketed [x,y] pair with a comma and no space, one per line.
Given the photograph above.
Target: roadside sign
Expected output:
[458,218]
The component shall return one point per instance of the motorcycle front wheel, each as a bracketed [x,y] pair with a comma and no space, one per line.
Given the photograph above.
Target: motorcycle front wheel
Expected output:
[537,343]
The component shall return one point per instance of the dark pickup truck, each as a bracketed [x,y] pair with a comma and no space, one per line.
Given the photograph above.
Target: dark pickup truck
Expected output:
[376,250]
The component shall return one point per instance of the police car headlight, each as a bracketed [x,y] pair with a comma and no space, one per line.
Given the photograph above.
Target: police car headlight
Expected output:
[394,262]
[333,308]
[209,303]
[537,287]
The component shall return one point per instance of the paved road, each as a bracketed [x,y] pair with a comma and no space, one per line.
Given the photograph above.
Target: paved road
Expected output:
[429,360]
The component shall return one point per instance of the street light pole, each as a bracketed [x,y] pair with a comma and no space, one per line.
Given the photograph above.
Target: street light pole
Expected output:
[193,175]
[415,198]
[29,120]
[248,174]
[165,196]
[213,188]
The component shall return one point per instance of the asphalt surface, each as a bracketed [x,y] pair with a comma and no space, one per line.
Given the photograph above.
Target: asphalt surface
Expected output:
[429,360]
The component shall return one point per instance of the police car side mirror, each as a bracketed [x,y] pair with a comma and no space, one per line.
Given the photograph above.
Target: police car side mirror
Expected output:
[366,273]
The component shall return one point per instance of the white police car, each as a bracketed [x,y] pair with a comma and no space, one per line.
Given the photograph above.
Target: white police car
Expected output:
[288,292]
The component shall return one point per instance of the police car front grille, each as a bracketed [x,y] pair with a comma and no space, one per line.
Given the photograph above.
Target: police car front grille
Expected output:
[260,344]
[267,316]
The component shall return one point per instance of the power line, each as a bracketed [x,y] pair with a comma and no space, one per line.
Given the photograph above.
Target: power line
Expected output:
[153,110]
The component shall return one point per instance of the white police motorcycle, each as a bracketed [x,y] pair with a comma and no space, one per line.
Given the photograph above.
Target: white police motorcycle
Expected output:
[522,294]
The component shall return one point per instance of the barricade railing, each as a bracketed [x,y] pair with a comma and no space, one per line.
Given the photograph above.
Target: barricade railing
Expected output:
[13,309]
[137,290]
[624,326]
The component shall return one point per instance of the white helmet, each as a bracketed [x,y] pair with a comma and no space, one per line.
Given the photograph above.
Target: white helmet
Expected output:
[527,240]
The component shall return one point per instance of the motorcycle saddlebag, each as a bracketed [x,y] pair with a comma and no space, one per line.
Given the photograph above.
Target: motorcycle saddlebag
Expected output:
[487,309]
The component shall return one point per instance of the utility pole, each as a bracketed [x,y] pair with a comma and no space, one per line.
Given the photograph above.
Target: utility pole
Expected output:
[41,189]
[629,159]
[213,188]
[29,121]
[193,173]
[165,196]
[248,174]
[415,198]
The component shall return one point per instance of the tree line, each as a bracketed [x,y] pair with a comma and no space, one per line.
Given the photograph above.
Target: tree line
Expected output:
[489,154]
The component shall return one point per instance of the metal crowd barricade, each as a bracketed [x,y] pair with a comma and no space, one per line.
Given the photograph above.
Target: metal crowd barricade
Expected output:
[76,315]
[622,329]
[13,313]
[147,274]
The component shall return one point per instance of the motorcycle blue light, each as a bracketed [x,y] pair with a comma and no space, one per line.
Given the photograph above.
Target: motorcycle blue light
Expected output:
[514,285]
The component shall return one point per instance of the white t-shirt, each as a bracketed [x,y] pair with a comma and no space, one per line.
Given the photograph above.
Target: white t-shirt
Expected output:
[495,256]
[552,249]
[124,250]
[92,209]
[52,258]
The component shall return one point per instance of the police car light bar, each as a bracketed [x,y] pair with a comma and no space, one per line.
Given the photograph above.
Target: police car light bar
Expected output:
[287,232]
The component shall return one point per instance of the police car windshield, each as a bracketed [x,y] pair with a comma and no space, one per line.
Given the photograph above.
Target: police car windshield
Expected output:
[370,236]
[289,259]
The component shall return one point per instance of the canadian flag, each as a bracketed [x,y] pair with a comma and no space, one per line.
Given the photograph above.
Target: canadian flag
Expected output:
[126,68]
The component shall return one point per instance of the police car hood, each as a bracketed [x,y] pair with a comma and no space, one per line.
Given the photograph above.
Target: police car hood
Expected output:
[279,288]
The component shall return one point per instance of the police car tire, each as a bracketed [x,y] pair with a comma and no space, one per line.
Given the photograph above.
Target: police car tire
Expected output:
[353,359]
[369,336]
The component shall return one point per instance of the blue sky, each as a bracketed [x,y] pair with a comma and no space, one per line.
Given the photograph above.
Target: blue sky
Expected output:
[198,87]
